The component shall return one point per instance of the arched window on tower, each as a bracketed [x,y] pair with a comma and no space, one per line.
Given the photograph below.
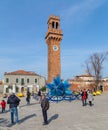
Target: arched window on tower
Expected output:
[53,25]
[56,25]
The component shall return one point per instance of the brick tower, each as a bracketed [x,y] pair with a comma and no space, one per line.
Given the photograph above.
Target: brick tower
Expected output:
[53,39]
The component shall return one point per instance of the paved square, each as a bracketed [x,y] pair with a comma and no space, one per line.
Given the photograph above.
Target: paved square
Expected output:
[62,116]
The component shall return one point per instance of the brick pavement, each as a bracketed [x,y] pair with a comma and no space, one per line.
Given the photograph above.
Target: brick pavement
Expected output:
[62,116]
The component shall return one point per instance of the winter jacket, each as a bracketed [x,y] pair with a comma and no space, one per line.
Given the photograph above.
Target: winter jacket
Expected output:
[84,95]
[13,101]
[45,104]
[90,97]
[28,95]
[3,104]
[39,93]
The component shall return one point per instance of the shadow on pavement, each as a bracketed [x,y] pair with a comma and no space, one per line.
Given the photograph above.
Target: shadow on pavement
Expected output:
[54,117]
[3,122]
[6,111]
[22,120]
[26,118]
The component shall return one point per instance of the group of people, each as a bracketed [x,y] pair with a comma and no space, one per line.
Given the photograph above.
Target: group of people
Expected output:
[44,104]
[14,102]
[87,95]
[37,96]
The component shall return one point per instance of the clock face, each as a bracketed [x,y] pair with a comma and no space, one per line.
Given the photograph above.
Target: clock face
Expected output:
[55,48]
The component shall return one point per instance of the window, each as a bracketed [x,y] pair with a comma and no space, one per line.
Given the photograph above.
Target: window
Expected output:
[56,25]
[17,89]
[7,80]
[35,80]
[27,80]
[22,81]
[7,90]
[17,80]
[53,24]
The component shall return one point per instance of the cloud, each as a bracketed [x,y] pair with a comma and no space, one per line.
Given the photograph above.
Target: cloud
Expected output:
[81,10]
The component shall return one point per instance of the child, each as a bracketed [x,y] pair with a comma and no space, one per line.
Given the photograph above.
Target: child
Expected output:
[90,98]
[3,104]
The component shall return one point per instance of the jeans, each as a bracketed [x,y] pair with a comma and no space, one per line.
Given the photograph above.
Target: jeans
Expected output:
[84,102]
[3,110]
[28,101]
[14,112]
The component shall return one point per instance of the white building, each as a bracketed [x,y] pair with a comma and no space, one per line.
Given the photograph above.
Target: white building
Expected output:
[21,81]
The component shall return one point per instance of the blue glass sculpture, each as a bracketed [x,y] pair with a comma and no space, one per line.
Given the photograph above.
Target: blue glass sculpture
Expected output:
[59,90]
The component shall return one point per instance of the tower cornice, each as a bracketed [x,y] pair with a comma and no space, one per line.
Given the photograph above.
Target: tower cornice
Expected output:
[54,34]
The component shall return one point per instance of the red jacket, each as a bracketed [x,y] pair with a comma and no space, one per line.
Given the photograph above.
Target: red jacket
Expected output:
[3,104]
[84,95]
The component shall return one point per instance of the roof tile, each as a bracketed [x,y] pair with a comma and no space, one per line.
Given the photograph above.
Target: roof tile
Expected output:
[20,72]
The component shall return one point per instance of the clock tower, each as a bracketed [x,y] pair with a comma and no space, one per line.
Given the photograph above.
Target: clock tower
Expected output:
[53,39]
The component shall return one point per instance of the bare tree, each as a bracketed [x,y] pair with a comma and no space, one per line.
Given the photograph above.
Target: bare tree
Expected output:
[94,66]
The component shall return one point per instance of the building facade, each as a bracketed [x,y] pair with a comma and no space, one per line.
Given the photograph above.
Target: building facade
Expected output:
[20,81]
[105,83]
[82,81]
[1,88]
[87,81]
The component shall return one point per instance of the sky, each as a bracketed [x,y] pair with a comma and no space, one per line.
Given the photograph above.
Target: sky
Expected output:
[23,26]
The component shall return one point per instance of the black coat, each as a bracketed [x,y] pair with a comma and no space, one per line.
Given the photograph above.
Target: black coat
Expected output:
[45,104]
[28,95]
[39,93]
[13,101]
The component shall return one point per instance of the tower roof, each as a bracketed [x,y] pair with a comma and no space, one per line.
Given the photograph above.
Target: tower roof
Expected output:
[52,17]
[54,31]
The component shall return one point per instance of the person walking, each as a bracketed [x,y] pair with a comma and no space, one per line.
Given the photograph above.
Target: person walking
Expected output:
[90,98]
[3,105]
[84,97]
[39,95]
[13,102]
[45,107]
[28,97]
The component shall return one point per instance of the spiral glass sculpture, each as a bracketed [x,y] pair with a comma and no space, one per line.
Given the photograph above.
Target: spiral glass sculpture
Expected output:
[59,87]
